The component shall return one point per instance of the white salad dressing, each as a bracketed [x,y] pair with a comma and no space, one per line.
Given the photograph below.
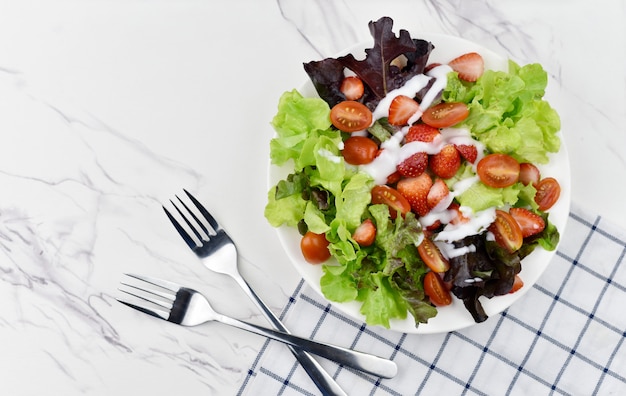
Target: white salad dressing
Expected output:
[476,224]
[329,155]
[449,251]
[410,89]
[394,152]
[440,74]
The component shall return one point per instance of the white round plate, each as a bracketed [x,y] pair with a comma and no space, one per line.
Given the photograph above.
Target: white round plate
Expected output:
[454,316]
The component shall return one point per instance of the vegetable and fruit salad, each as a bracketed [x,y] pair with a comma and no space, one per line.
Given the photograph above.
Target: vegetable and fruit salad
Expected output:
[415,183]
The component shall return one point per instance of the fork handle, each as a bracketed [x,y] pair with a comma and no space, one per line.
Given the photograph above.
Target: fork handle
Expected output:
[324,381]
[362,361]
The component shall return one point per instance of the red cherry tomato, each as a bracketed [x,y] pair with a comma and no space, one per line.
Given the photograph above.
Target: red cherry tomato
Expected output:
[314,247]
[389,196]
[432,257]
[548,192]
[436,290]
[350,116]
[507,232]
[359,150]
[498,170]
[444,115]
[518,283]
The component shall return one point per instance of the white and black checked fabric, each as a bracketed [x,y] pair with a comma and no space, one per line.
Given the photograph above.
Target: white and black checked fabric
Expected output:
[564,337]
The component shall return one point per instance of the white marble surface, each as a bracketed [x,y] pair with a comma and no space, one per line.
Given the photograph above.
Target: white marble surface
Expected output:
[109,108]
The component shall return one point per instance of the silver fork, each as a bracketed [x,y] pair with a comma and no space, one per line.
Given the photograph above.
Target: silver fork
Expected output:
[218,253]
[188,307]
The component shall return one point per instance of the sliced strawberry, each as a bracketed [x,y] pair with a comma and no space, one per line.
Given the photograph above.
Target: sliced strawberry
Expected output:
[415,190]
[413,166]
[469,66]
[446,163]
[352,88]
[401,109]
[468,152]
[421,133]
[365,234]
[530,223]
[529,174]
[437,193]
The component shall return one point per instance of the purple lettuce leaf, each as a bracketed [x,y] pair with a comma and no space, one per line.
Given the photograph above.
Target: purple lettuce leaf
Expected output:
[376,70]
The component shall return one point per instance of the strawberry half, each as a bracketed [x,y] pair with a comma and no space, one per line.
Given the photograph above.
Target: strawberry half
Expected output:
[469,66]
[415,190]
[437,193]
[468,152]
[530,223]
[421,133]
[401,109]
[413,166]
[446,163]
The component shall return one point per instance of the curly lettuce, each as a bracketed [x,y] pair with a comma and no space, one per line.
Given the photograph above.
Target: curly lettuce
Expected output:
[508,113]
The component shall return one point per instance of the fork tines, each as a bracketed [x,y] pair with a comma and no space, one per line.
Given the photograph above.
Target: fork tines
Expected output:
[209,227]
[159,298]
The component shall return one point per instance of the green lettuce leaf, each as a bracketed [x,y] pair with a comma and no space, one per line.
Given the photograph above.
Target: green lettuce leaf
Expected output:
[480,196]
[352,201]
[296,119]
[382,302]
[288,210]
[338,284]
[508,113]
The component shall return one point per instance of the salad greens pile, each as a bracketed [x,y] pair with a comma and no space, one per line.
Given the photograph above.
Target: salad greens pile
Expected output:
[507,112]
[325,195]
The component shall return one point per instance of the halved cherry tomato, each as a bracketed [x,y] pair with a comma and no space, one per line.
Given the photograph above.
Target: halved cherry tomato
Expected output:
[352,87]
[432,257]
[518,283]
[365,233]
[529,174]
[530,223]
[314,247]
[359,150]
[507,232]
[350,116]
[389,196]
[436,290]
[444,114]
[548,192]
[498,170]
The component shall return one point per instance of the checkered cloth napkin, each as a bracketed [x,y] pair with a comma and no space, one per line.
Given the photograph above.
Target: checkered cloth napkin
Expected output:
[565,336]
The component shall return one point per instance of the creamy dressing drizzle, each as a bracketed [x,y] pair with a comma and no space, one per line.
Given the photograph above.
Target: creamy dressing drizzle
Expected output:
[394,152]
[329,155]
